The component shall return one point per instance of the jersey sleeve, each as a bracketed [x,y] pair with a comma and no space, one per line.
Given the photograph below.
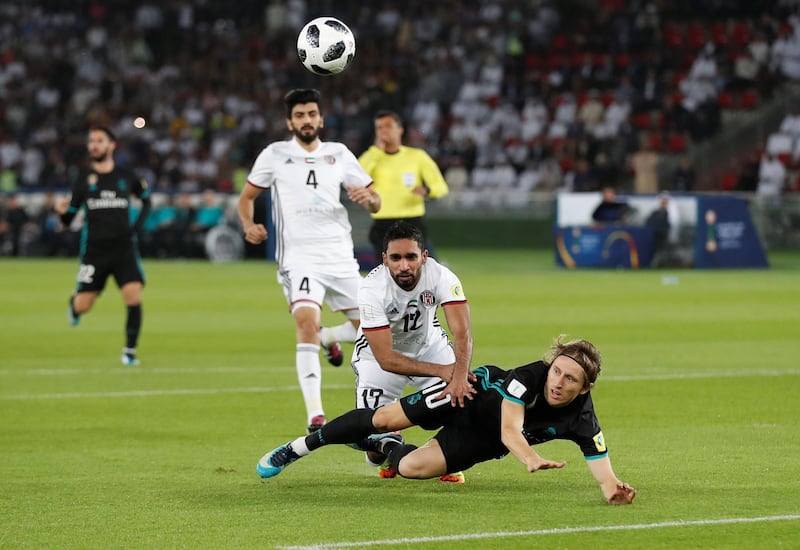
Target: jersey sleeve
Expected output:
[586,433]
[432,177]
[354,173]
[523,384]
[449,289]
[370,305]
[263,174]
[140,188]
[77,198]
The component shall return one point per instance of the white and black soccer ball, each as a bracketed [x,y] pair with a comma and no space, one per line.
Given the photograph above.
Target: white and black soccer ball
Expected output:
[326,46]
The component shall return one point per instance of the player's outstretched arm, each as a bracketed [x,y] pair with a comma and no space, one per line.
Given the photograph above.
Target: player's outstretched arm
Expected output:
[614,490]
[512,417]
[459,323]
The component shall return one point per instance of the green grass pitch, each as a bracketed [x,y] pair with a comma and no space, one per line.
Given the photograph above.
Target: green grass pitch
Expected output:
[698,399]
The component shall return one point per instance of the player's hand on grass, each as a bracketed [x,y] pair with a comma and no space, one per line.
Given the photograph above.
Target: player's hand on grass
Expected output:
[624,494]
[535,463]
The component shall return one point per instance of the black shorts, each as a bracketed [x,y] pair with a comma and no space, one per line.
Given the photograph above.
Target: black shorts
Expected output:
[465,438]
[98,263]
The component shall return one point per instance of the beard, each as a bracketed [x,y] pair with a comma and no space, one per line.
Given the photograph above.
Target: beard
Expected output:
[405,280]
[98,157]
[308,137]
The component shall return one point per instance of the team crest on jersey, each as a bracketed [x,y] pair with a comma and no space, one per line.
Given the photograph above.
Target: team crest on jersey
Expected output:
[330,159]
[121,185]
[427,298]
[91,179]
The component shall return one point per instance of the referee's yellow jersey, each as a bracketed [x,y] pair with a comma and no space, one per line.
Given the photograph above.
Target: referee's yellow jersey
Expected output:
[396,174]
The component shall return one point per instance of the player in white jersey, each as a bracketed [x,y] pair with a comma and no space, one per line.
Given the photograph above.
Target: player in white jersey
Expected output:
[400,341]
[314,246]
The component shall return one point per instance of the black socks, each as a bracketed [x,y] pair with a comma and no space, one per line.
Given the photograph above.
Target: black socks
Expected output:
[133,325]
[351,427]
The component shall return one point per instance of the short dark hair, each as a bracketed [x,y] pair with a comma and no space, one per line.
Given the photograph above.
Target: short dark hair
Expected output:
[403,230]
[300,96]
[106,130]
[385,112]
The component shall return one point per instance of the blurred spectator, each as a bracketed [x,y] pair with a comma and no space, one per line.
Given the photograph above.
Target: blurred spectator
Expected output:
[683,178]
[658,221]
[590,114]
[610,210]
[745,73]
[209,215]
[748,174]
[644,164]
[54,238]
[664,223]
[456,175]
[650,91]
[583,178]
[771,177]
[16,227]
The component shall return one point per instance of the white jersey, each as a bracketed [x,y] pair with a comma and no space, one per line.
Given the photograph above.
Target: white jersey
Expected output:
[411,315]
[311,223]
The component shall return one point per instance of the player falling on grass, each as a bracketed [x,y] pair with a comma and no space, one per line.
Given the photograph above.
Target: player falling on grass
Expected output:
[400,342]
[314,245]
[511,411]
[108,244]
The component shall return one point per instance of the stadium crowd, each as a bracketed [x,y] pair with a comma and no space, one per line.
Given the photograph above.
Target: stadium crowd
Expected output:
[506,95]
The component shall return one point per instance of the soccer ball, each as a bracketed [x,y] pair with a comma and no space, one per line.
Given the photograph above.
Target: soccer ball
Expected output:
[326,46]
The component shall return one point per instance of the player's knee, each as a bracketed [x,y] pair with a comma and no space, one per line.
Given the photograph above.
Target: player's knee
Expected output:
[386,418]
[412,467]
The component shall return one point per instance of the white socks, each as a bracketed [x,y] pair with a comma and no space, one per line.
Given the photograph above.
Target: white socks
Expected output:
[345,332]
[309,375]
[299,446]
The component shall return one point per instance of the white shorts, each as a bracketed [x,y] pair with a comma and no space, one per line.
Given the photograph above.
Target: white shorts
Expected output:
[376,387]
[306,286]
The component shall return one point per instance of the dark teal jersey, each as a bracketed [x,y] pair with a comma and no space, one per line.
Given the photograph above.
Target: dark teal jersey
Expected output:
[105,199]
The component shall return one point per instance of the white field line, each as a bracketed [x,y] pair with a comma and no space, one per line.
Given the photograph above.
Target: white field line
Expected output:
[156,393]
[538,532]
[115,371]
[272,389]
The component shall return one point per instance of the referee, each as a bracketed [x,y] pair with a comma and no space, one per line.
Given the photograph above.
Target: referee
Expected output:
[403,176]
[108,241]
